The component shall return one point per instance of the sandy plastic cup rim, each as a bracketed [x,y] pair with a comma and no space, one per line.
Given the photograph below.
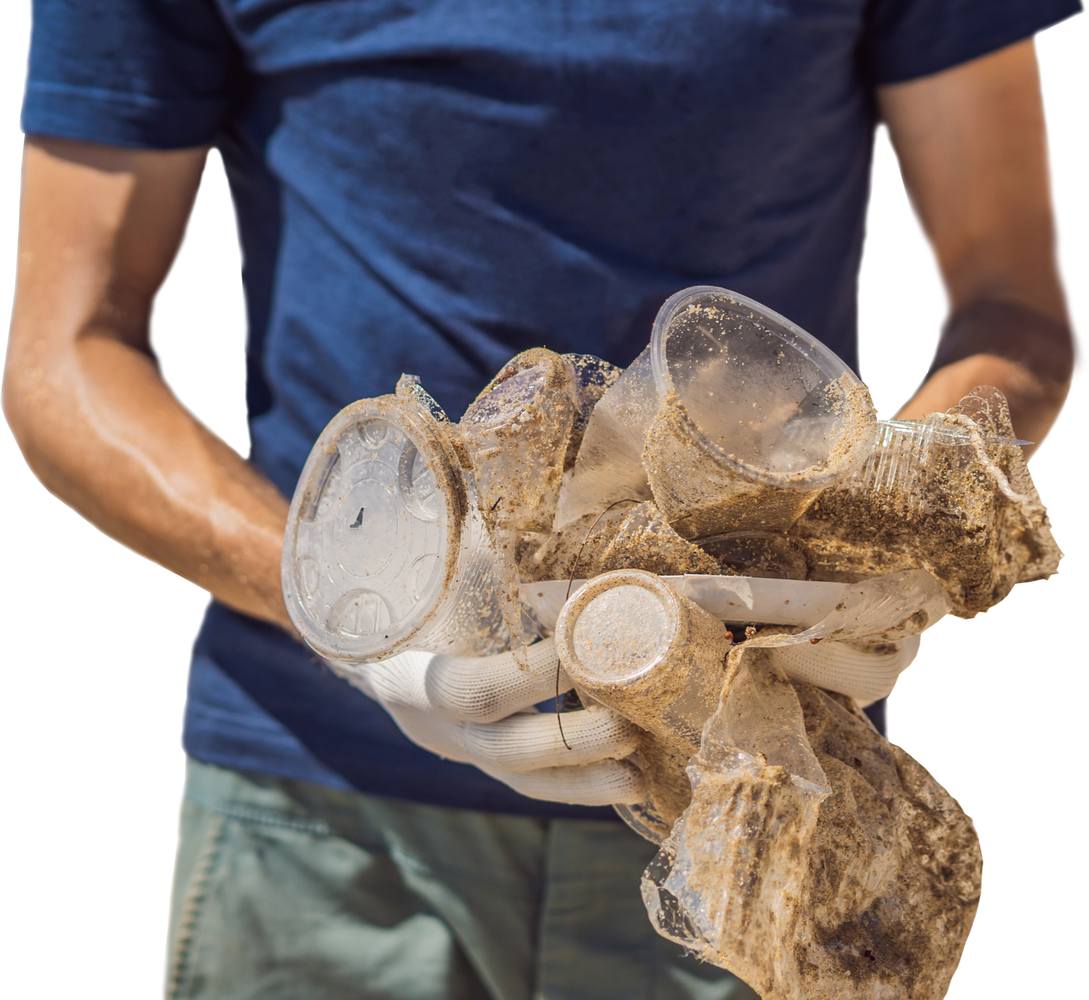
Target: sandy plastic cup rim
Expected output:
[830,363]
[581,600]
[944,433]
[826,359]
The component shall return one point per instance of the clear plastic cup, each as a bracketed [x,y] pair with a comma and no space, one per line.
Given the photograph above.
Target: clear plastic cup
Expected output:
[385,549]
[756,417]
[630,641]
[733,419]
[520,434]
[609,465]
[517,433]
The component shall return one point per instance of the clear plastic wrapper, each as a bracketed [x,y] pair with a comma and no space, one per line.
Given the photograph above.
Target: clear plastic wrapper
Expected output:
[816,860]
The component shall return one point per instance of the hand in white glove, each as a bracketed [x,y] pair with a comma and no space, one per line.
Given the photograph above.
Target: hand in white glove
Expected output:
[474,710]
[864,671]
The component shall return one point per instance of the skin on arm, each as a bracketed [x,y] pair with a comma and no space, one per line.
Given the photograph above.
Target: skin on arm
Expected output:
[973,154]
[99,229]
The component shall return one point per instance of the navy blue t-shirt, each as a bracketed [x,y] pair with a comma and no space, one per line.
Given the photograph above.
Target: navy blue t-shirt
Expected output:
[430,186]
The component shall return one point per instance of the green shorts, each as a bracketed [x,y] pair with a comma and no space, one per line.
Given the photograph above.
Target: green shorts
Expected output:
[286,890]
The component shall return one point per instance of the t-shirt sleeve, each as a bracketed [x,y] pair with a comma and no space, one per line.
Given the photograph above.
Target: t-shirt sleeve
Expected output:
[906,39]
[154,74]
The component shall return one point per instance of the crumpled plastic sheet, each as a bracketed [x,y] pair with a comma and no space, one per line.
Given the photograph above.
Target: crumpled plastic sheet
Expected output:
[817,861]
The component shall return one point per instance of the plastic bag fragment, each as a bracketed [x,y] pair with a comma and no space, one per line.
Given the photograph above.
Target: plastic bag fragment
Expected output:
[822,866]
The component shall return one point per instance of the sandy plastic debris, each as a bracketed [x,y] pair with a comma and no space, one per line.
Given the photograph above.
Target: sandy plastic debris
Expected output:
[949,493]
[798,847]
[817,860]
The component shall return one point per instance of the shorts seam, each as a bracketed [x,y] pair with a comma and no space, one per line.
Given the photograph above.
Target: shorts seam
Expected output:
[262,817]
[193,910]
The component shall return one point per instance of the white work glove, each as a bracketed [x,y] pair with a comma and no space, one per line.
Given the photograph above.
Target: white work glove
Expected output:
[478,710]
[865,672]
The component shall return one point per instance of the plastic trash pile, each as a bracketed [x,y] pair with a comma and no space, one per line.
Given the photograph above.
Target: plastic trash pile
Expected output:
[736,556]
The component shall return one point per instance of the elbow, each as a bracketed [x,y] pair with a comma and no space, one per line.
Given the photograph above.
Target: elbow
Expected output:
[23,396]
[14,398]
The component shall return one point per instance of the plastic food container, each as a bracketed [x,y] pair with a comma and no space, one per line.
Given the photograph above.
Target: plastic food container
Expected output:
[385,549]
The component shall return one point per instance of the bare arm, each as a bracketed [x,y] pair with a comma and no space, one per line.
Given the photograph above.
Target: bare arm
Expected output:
[99,229]
[972,150]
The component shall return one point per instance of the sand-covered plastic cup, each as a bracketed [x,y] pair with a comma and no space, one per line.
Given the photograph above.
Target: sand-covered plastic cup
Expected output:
[732,419]
[517,433]
[385,549]
[520,434]
[755,417]
[627,639]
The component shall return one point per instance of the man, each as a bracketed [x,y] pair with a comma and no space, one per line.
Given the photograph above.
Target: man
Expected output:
[431,190]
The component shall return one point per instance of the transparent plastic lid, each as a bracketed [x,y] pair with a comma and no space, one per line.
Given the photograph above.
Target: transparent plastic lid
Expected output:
[373,530]
[762,391]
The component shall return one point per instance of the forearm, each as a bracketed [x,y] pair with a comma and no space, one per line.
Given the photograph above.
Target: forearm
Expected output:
[973,153]
[106,436]
[1028,355]
[83,393]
